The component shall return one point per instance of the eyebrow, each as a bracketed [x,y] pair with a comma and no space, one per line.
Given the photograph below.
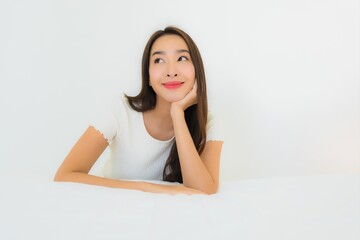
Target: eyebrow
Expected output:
[163,52]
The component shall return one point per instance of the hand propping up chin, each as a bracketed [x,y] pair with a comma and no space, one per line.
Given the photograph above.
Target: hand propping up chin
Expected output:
[189,100]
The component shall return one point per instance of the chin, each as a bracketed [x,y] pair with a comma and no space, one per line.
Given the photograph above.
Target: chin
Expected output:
[173,97]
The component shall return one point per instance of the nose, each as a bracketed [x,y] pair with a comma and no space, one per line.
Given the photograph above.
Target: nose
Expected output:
[171,71]
[172,75]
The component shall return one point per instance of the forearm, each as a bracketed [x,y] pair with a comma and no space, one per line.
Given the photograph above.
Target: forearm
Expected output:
[80,177]
[194,173]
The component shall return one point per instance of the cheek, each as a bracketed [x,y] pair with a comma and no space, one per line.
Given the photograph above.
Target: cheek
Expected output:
[188,70]
[155,73]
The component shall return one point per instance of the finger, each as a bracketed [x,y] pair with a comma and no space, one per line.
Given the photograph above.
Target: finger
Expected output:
[195,90]
[195,86]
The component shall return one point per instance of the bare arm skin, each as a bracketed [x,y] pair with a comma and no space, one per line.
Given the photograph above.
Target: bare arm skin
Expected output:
[83,156]
[198,172]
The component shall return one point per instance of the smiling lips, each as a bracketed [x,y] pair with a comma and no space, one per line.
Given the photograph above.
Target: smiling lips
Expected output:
[173,85]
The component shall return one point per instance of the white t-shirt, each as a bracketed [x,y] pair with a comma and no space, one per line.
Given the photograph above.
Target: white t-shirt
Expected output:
[134,154]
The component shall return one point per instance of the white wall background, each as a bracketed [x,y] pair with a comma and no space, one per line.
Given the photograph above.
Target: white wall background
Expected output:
[283,75]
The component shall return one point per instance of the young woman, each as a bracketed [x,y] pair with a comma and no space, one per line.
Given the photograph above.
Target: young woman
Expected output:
[163,134]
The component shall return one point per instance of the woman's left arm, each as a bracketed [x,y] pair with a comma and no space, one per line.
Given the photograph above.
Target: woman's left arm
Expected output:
[200,172]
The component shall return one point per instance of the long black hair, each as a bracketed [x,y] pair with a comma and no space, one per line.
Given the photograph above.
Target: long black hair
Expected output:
[195,116]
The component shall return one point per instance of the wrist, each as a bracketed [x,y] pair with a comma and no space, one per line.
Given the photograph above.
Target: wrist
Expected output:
[176,111]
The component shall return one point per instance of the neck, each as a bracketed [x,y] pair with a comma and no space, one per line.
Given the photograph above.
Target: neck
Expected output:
[158,121]
[161,115]
[162,109]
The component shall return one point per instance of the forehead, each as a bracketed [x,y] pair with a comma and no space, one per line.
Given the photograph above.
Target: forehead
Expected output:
[169,43]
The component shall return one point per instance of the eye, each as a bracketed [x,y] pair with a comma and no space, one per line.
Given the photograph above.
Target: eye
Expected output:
[183,58]
[158,60]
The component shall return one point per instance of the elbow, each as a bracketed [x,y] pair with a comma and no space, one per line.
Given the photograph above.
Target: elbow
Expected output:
[208,189]
[59,177]
[214,188]
[64,176]
[211,191]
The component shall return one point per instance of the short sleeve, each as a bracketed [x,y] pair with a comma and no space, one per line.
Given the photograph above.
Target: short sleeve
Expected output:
[105,118]
[214,129]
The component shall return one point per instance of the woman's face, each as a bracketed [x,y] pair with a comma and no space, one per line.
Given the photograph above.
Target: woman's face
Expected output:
[172,73]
